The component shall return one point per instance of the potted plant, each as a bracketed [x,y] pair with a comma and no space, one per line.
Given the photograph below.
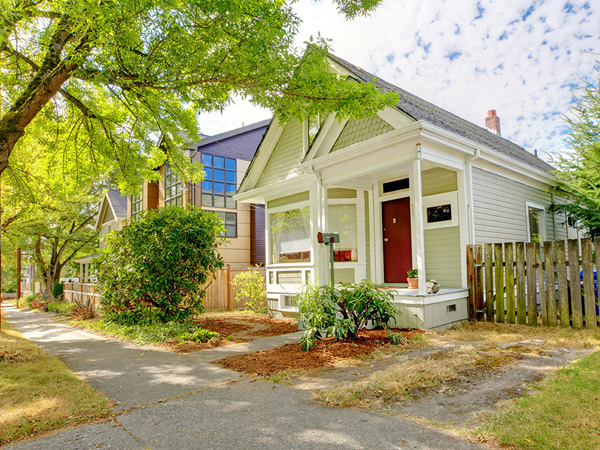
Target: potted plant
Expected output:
[413,281]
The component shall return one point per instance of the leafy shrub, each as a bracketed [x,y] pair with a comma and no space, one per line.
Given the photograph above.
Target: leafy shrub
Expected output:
[38,304]
[25,302]
[200,335]
[66,309]
[154,268]
[252,291]
[57,290]
[85,307]
[142,333]
[342,312]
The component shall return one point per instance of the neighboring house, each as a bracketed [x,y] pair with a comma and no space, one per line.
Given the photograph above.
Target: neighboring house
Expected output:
[407,188]
[225,158]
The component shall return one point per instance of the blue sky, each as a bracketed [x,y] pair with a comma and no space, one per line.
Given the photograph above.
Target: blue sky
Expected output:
[524,59]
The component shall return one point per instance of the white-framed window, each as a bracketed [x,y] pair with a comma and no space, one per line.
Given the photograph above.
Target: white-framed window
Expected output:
[173,188]
[136,207]
[290,236]
[440,210]
[342,219]
[536,222]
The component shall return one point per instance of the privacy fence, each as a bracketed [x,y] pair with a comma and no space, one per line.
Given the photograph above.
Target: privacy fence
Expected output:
[552,283]
[220,294]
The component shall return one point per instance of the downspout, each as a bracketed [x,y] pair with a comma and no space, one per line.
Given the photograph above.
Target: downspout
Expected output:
[470,211]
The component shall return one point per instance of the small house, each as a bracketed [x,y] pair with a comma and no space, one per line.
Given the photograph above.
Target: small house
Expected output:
[408,188]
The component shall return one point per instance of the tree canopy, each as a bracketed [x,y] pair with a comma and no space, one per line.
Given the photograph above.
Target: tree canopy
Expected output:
[112,77]
[580,169]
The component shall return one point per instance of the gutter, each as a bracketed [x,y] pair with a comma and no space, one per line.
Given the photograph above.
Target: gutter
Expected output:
[471,214]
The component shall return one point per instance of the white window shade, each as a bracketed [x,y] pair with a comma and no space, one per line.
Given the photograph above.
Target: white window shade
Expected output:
[290,236]
[342,220]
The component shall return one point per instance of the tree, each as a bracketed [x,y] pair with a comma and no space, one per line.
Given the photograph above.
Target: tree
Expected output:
[114,76]
[579,172]
[155,267]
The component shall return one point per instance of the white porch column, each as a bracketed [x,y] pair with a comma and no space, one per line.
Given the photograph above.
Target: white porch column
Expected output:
[463,221]
[417,215]
[318,204]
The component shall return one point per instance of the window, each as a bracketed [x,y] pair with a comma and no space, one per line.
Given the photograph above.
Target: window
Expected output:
[230,222]
[440,210]
[290,236]
[220,181]
[342,220]
[535,223]
[314,125]
[173,191]
[136,207]
[396,185]
[439,213]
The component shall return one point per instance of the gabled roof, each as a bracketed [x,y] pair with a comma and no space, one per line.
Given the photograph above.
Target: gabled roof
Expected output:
[227,134]
[422,110]
[118,203]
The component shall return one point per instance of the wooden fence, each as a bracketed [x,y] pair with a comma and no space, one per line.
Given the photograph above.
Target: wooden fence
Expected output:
[220,295]
[517,282]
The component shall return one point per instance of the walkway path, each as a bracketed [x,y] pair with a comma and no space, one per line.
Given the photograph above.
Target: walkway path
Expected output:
[175,401]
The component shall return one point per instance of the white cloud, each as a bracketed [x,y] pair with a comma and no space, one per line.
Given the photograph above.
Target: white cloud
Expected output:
[522,65]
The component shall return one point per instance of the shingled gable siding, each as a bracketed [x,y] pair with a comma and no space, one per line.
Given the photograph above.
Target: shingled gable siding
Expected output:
[361,130]
[499,209]
[442,245]
[286,156]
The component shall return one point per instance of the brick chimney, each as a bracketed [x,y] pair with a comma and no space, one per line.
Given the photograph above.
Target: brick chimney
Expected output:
[492,122]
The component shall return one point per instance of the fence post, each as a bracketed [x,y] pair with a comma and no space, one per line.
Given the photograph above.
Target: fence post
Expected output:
[521,300]
[478,282]
[509,270]
[489,280]
[228,287]
[471,281]
[574,283]
[531,285]
[499,282]
[589,297]
[563,284]
[550,283]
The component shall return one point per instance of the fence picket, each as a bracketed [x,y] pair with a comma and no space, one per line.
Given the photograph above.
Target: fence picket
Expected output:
[531,285]
[574,283]
[499,282]
[550,283]
[589,297]
[521,300]
[478,282]
[563,284]
[540,279]
[509,270]
[489,279]
[471,281]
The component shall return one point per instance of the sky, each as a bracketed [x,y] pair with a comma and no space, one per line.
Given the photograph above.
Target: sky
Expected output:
[524,59]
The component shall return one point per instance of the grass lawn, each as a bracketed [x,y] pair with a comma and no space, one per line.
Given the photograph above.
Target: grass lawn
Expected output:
[564,413]
[39,393]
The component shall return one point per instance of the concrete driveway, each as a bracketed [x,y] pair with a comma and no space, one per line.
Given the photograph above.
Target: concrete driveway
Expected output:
[177,401]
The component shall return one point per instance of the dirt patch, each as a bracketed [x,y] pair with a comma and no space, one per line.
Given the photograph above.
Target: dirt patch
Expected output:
[225,327]
[189,347]
[327,353]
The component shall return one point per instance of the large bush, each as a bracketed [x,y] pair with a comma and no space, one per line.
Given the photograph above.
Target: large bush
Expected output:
[154,268]
[343,312]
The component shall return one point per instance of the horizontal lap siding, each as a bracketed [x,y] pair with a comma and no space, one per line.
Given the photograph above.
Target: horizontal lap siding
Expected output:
[499,208]
[438,181]
[443,256]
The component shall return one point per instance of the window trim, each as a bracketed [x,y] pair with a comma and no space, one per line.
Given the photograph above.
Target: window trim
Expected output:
[543,221]
[268,243]
[445,198]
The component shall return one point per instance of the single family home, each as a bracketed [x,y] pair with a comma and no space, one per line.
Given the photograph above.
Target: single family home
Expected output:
[408,188]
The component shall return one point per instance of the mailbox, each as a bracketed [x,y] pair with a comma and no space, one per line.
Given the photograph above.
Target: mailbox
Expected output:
[328,238]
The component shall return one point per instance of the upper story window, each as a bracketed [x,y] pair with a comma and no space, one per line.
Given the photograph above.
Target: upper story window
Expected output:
[173,188]
[314,125]
[136,207]
[220,182]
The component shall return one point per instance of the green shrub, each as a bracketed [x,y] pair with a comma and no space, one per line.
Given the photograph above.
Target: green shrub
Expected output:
[252,291]
[66,309]
[154,268]
[342,312]
[200,335]
[57,290]
[146,333]
[25,302]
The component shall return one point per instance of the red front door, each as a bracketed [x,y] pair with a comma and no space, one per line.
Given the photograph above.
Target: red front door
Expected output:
[397,250]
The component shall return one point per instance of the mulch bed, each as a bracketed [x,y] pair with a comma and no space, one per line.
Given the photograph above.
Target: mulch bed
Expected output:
[326,353]
[221,326]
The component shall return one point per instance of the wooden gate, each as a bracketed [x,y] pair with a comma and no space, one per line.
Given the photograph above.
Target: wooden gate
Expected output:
[554,283]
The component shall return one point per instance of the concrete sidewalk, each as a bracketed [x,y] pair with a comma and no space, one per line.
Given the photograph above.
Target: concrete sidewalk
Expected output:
[173,401]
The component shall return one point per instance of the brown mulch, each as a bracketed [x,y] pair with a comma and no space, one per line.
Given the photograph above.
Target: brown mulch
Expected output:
[188,347]
[326,353]
[222,326]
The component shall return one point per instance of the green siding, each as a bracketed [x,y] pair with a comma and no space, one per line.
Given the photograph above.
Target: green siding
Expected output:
[344,275]
[360,130]
[282,201]
[438,181]
[443,256]
[341,193]
[287,155]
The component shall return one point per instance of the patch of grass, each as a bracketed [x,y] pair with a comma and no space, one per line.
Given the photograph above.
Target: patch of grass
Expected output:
[505,334]
[396,381]
[155,333]
[39,393]
[285,376]
[65,309]
[564,413]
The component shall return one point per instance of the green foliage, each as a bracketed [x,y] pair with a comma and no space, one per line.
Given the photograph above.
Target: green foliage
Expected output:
[342,312]
[154,268]
[412,273]
[580,168]
[141,333]
[57,290]
[66,309]
[200,335]
[252,291]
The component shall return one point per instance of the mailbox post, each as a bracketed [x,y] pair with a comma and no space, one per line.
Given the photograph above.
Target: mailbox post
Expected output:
[329,239]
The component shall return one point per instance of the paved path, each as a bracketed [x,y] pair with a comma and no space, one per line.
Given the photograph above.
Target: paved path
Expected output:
[174,401]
